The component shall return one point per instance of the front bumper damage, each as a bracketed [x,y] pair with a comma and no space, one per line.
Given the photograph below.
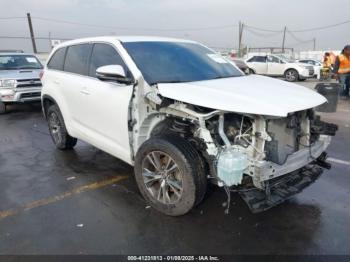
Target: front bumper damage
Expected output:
[265,170]
[281,189]
[284,181]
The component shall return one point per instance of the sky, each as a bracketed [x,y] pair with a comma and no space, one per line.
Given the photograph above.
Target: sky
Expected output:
[212,22]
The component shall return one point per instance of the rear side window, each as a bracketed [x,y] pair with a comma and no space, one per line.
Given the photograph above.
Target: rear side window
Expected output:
[77,58]
[104,54]
[259,59]
[57,60]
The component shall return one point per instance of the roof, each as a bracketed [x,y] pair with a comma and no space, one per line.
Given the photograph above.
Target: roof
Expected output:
[125,39]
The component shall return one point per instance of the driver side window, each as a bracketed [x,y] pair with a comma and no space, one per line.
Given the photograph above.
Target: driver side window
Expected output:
[104,54]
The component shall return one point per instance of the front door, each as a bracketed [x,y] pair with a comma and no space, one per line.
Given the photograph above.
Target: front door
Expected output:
[106,104]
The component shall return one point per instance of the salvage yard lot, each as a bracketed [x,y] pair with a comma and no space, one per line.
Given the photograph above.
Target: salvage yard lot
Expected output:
[85,201]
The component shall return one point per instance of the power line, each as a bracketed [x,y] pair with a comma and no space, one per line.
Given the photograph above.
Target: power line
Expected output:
[264,29]
[40,38]
[321,27]
[133,28]
[12,17]
[302,30]
[262,34]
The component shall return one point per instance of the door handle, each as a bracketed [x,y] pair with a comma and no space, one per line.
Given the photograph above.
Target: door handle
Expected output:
[85,91]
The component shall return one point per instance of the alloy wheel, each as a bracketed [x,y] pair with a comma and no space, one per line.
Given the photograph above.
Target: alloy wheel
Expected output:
[55,128]
[162,177]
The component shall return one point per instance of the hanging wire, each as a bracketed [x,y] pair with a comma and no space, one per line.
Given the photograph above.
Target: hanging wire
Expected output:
[262,34]
[133,28]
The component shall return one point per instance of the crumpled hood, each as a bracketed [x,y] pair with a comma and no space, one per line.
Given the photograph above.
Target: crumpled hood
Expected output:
[251,94]
[20,74]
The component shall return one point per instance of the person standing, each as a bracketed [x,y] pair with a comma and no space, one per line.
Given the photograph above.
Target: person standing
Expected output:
[342,71]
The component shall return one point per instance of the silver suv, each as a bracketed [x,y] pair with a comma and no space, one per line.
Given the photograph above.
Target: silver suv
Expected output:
[19,79]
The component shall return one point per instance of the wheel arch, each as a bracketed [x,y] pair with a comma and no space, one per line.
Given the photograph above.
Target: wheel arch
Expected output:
[290,68]
[251,69]
[47,101]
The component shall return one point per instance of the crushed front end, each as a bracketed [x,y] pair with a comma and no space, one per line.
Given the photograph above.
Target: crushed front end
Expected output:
[285,155]
[265,159]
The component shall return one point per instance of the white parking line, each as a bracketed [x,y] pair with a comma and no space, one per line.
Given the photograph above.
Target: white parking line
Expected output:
[339,161]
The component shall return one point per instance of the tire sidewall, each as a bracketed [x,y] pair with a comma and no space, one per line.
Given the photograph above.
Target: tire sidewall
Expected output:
[296,75]
[54,109]
[188,197]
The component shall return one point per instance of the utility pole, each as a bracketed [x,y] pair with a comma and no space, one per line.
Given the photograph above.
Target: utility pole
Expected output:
[284,38]
[240,35]
[50,45]
[314,44]
[31,32]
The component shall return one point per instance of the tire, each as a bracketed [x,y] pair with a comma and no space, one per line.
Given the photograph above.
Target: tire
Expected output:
[2,108]
[251,71]
[186,171]
[58,131]
[291,75]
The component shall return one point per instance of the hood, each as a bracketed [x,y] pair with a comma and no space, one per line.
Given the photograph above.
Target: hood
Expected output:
[251,94]
[20,74]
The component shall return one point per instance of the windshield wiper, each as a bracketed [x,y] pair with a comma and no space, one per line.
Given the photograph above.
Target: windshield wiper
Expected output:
[168,82]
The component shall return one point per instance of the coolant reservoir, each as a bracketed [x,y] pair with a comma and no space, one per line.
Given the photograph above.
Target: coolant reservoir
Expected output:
[231,164]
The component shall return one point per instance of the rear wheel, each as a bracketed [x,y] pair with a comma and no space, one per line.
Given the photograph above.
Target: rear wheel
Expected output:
[58,131]
[2,108]
[170,175]
[291,75]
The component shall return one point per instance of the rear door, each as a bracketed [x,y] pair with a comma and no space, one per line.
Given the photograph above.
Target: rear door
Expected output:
[74,80]
[258,64]
[106,104]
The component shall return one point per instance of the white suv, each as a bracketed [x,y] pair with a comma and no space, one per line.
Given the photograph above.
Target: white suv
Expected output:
[279,66]
[183,115]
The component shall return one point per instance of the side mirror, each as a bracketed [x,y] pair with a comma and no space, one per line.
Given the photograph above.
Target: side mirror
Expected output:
[113,73]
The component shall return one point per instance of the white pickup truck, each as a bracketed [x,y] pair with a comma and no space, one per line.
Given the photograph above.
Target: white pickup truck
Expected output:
[279,66]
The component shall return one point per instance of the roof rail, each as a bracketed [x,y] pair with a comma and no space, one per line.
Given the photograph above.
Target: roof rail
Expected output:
[11,51]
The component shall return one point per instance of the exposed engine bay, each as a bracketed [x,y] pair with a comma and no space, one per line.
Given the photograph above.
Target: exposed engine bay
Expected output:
[250,154]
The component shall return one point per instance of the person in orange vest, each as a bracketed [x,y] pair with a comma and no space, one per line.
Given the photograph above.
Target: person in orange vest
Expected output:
[342,71]
[327,61]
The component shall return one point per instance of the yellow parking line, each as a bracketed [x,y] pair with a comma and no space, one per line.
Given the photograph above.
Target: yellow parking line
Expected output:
[50,200]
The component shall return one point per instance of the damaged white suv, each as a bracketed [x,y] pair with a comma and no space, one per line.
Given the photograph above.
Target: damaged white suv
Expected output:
[182,115]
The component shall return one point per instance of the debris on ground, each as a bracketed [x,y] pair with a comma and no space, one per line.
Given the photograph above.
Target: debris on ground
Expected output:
[80,225]
[70,178]
[147,207]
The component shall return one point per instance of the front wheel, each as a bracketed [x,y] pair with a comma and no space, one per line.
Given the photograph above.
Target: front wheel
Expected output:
[58,131]
[291,75]
[170,175]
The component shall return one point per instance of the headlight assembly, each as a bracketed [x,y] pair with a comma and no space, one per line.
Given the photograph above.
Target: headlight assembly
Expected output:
[8,83]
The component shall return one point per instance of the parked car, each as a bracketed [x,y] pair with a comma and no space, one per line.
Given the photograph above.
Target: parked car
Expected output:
[182,115]
[315,63]
[279,66]
[19,79]
[241,64]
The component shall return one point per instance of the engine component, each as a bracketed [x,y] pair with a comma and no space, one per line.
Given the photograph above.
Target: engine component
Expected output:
[230,167]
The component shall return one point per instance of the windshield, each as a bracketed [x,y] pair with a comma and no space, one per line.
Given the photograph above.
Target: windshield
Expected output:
[172,62]
[15,62]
